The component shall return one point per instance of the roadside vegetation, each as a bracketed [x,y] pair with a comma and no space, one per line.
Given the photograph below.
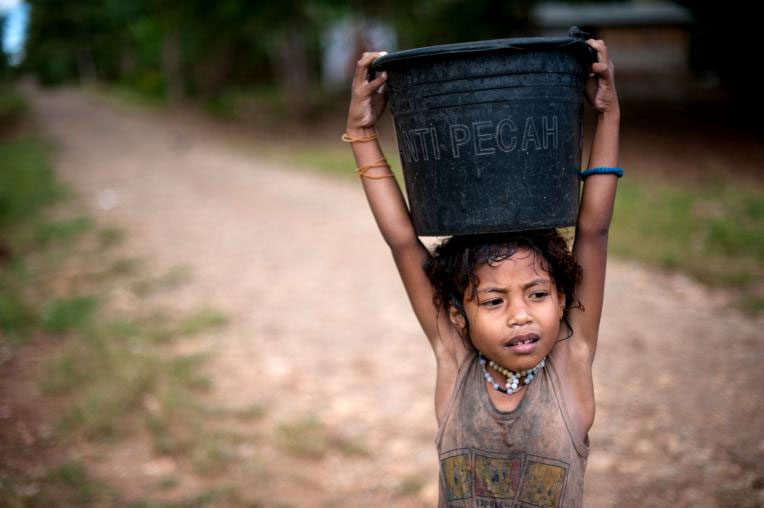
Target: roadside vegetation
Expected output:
[75,331]
[711,231]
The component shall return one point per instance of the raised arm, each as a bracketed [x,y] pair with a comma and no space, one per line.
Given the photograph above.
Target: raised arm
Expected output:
[387,204]
[598,197]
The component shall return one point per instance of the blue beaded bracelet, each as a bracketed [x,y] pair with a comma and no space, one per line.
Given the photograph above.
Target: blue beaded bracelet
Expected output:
[602,171]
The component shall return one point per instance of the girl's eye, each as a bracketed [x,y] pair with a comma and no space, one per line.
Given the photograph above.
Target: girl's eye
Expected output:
[538,295]
[492,303]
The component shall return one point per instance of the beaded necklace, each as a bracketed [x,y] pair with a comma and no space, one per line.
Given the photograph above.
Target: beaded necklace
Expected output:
[513,378]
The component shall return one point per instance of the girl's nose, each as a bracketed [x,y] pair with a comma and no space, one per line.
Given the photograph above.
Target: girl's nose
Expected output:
[518,316]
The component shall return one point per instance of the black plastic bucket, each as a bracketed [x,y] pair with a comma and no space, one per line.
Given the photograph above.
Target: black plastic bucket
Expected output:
[490,132]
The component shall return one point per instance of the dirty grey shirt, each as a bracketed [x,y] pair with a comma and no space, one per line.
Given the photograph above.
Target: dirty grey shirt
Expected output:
[528,457]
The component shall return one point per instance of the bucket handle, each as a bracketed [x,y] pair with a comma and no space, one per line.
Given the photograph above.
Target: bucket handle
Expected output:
[577,33]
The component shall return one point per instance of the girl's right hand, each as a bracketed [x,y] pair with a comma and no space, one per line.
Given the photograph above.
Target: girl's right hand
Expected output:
[366,104]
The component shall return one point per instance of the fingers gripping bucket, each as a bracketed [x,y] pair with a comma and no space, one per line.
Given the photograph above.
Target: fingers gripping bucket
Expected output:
[490,132]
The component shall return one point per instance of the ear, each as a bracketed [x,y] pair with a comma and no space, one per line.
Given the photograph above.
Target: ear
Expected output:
[561,301]
[456,318]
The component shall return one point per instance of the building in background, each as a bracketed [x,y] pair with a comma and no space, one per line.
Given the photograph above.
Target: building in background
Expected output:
[648,41]
[344,42]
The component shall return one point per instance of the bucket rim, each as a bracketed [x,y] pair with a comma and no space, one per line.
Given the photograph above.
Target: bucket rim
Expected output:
[575,44]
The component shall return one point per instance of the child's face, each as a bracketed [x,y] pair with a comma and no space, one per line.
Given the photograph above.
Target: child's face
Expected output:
[515,314]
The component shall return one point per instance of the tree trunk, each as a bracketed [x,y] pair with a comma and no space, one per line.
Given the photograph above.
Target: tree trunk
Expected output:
[86,67]
[213,73]
[291,64]
[171,67]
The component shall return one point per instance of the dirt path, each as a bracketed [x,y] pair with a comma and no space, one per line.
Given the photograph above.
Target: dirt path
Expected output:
[321,325]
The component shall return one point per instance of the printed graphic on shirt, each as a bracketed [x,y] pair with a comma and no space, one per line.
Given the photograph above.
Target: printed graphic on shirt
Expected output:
[473,477]
[497,476]
[542,484]
[457,475]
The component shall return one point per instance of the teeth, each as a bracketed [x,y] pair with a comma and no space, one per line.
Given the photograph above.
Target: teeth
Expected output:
[526,341]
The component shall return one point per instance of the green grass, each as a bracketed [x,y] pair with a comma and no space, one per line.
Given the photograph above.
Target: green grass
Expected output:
[265,103]
[409,485]
[138,96]
[17,315]
[27,183]
[308,437]
[58,230]
[173,278]
[13,107]
[63,314]
[712,231]
[200,320]
[115,376]
[113,373]
[336,161]
[253,411]
[67,484]
[27,187]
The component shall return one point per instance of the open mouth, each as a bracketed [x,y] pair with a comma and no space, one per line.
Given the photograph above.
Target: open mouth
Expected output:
[520,340]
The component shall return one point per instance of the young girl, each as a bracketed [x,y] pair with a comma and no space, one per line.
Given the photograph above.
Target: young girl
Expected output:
[512,319]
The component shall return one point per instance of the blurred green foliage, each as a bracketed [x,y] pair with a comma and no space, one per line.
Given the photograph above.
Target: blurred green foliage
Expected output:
[209,50]
[12,108]
[27,187]
[67,484]
[63,314]
[3,57]
[160,47]
[27,182]
[176,50]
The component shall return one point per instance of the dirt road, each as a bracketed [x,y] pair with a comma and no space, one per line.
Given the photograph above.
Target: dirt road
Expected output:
[320,326]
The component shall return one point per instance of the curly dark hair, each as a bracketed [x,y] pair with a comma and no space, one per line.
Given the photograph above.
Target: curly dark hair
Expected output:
[451,268]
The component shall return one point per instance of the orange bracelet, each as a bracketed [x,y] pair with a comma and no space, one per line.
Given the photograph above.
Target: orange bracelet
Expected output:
[349,139]
[381,163]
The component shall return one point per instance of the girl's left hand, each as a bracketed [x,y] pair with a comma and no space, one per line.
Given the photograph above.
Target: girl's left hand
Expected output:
[600,88]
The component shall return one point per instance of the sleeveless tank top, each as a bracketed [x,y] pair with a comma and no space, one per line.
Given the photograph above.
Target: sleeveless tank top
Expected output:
[528,457]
